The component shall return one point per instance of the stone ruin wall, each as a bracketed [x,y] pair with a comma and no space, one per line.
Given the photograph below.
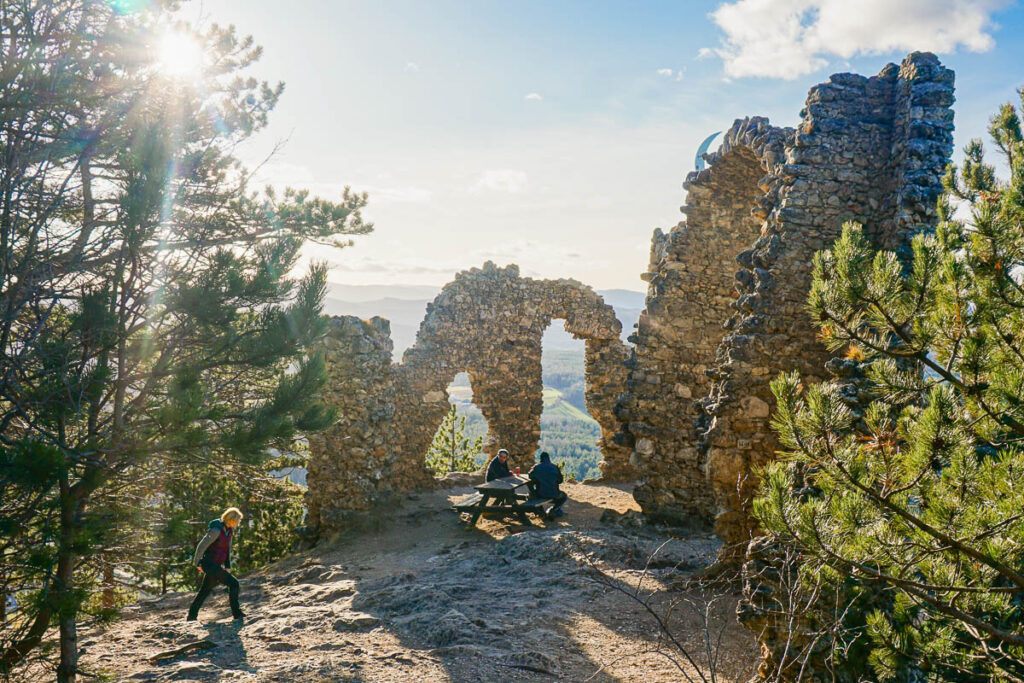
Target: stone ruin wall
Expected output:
[487,322]
[351,465]
[696,412]
[690,292]
[694,416]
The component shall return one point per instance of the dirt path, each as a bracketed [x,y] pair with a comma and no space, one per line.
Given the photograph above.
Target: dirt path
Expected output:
[422,598]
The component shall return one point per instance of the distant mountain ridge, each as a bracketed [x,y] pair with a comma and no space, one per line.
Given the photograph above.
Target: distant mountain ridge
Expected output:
[406,305]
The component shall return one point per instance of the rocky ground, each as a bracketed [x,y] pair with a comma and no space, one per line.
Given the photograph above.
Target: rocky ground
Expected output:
[421,597]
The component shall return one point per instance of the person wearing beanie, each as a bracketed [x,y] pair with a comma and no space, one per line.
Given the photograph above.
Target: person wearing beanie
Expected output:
[545,477]
[498,467]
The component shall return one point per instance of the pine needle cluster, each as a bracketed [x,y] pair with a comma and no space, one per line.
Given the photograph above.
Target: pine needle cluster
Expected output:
[917,489]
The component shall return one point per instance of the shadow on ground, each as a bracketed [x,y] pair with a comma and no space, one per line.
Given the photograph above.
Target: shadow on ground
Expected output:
[423,598]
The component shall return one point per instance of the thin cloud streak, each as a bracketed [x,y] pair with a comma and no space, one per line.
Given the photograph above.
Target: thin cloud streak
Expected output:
[501,180]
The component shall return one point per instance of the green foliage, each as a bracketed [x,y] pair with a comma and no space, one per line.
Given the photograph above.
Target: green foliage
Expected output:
[564,371]
[574,443]
[452,450]
[566,433]
[150,324]
[918,495]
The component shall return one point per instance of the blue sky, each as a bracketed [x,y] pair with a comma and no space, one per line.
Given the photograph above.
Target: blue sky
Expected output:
[556,134]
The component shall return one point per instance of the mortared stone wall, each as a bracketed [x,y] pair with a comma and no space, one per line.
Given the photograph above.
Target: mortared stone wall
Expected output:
[727,292]
[488,322]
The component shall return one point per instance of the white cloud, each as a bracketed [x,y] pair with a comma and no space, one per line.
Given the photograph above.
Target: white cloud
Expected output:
[674,74]
[533,96]
[791,38]
[412,67]
[501,180]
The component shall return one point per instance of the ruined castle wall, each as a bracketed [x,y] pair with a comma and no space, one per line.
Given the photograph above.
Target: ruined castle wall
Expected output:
[606,372]
[695,413]
[690,292]
[866,149]
[349,463]
[922,145]
[479,324]
[487,322]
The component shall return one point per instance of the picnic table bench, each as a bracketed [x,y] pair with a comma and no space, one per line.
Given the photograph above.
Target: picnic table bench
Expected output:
[503,496]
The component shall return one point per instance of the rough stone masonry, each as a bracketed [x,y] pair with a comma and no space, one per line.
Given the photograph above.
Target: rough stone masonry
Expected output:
[712,337]
[690,399]
[488,322]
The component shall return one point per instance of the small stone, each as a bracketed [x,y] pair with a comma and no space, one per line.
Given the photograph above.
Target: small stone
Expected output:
[356,622]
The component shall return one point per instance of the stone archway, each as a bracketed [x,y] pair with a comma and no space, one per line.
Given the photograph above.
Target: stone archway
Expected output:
[488,322]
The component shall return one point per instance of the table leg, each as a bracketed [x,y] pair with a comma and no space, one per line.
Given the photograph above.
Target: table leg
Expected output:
[479,510]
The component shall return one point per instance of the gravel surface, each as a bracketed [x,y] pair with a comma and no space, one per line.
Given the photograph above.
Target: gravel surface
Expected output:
[419,597]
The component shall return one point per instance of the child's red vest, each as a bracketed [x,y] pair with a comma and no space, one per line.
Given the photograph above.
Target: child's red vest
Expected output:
[219,549]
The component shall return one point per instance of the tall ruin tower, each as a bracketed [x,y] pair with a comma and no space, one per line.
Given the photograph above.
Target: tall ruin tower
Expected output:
[727,287]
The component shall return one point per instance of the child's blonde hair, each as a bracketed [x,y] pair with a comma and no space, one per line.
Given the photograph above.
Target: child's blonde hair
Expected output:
[231,513]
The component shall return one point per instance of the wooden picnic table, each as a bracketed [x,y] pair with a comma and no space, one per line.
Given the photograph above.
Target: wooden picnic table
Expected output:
[503,496]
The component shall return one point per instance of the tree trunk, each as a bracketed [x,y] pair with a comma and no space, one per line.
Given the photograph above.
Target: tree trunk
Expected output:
[451,468]
[108,585]
[66,606]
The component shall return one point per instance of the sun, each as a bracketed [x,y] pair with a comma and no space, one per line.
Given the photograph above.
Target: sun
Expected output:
[180,55]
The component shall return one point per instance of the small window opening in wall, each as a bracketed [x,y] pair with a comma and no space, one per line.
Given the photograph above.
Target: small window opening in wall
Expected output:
[458,443]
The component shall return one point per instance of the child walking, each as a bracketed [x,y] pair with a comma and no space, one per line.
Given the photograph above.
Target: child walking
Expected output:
[213,558]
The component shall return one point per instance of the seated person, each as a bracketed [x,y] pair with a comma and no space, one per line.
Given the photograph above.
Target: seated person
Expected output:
[545,478]
[498,467]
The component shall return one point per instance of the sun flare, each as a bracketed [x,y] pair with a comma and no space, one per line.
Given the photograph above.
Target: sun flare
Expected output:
[180,55]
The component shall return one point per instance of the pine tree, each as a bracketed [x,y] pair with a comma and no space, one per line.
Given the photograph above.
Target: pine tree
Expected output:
[912,494]
[451,450]
[146,314]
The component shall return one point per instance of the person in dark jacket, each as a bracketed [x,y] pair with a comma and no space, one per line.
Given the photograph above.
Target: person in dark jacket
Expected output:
[213,559]
[498,467]
[545,477]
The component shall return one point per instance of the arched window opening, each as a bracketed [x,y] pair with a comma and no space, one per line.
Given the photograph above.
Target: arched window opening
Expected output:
[567,431]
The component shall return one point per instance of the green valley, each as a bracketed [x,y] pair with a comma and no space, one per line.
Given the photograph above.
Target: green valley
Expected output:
[568,433]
